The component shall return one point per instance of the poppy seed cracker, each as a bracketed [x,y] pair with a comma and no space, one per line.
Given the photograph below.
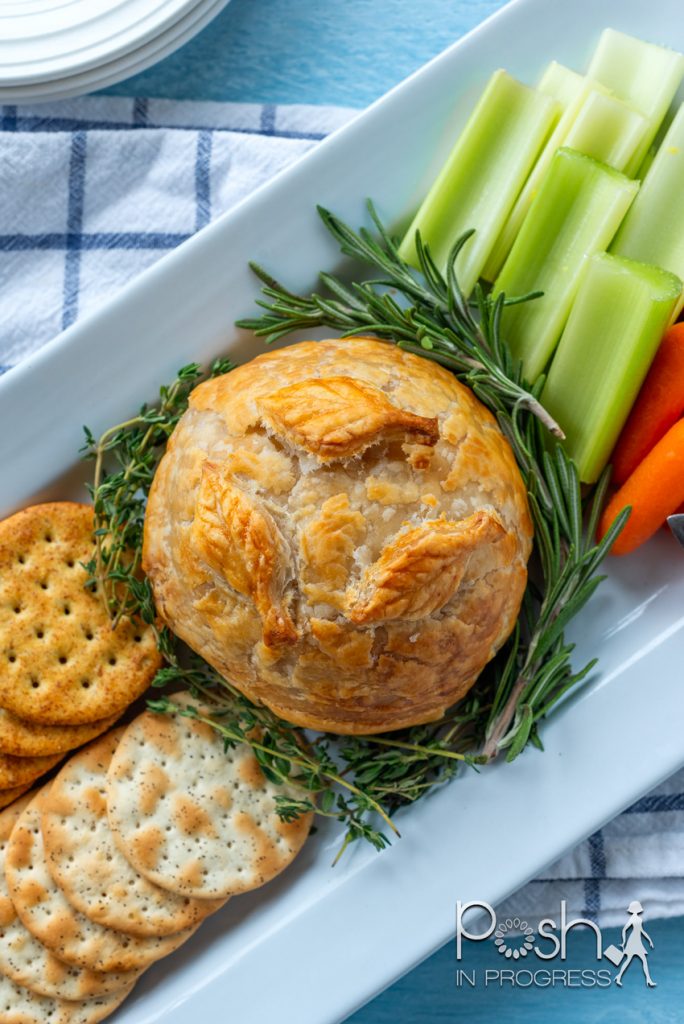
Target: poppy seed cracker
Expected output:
[46,912]
[95,876]
[192,817]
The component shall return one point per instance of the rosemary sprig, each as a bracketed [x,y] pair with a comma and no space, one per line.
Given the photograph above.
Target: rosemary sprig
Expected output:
[362,781]
[435,319]
[534,670]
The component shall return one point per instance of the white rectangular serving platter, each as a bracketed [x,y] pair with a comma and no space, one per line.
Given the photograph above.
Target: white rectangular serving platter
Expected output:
[320,941]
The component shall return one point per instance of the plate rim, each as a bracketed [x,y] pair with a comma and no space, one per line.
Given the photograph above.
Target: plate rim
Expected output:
[280,945]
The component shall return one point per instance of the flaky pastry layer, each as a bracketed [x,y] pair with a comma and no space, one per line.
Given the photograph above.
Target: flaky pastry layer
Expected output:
[341,530]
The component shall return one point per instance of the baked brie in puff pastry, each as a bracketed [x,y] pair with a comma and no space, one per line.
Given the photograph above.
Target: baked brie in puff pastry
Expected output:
[341,530]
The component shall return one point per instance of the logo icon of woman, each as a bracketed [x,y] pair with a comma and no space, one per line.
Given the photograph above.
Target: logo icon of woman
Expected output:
[634,945]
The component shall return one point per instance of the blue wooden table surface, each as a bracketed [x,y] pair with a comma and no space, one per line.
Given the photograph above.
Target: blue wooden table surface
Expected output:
[349,52]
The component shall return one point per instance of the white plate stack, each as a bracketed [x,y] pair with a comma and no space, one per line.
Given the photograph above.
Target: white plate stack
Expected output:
[51,49]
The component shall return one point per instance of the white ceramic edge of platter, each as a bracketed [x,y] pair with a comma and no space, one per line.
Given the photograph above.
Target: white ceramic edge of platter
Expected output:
[318,942]
[57,49]
[123,67]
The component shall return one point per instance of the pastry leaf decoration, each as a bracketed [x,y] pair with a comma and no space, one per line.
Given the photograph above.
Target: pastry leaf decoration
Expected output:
[339,417]
[421,569]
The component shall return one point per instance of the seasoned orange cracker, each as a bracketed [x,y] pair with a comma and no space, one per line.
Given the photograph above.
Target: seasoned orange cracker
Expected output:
[28,739]
[60,661]
[193,818]
[21,771]
[8,796]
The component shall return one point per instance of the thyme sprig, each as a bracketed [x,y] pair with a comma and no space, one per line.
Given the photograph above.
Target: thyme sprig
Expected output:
[362,781]
[348,785]
[355,785]
[283,755]
[120,497]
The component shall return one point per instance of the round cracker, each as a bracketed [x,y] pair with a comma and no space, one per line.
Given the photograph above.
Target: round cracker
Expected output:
[8,796]
[192,817]
[27,962]
[95,876]
[10,817]
[18,1005]
[22,771]
[48,915]
[28,739]
[61,663]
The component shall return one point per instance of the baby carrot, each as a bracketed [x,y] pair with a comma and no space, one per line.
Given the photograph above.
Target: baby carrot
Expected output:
[654,490]
[659,405]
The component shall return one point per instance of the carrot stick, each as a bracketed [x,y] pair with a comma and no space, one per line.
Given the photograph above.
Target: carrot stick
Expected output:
[659,405]
[654,490]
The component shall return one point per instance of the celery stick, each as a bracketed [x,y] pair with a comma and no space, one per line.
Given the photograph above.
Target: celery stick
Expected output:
[594,123]
[561,83]
[482,176]
[646,163]
[575,214]
[607,129]
[653,230]
[617,320]
[570,90]
[642,74]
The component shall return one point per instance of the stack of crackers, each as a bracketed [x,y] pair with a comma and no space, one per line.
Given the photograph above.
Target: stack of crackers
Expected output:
[142,834]
[116,862]
[65,674]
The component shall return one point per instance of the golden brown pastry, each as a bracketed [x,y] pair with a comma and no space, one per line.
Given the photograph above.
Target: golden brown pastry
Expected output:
[340,528]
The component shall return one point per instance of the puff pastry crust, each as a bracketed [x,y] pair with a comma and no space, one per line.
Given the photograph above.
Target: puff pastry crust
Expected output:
[341,530]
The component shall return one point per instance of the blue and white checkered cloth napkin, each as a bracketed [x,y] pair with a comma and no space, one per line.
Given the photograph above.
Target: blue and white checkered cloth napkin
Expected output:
[95,190]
